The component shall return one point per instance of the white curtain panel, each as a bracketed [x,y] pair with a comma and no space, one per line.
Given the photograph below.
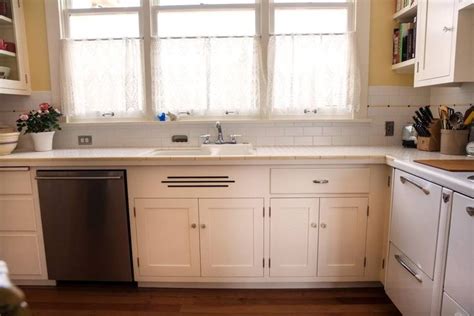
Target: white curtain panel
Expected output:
[313,72]
[206,76]
[100,76]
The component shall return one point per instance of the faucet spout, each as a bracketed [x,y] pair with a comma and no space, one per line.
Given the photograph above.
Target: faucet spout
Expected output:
[220,135]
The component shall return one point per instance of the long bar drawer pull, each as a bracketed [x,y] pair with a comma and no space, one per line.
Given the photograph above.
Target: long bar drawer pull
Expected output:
[404,180]
[410,270]
[79,178]
[322,181]
[470,210]
[14,169]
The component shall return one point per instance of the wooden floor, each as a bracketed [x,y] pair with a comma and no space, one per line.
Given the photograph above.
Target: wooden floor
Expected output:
[125,300]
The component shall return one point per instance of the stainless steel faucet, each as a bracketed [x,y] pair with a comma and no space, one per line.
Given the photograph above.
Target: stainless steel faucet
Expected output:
[220,135]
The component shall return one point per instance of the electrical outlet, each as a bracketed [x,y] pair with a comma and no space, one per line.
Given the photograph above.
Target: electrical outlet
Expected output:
[389,128]
[84,140]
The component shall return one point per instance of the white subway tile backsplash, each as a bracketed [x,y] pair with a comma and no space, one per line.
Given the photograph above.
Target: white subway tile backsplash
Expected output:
[273,133]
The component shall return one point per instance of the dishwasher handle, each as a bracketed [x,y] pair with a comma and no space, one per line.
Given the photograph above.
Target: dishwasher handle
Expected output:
[80,178]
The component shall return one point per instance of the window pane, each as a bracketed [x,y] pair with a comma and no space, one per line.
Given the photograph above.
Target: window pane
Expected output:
[104,26]
[206,23]
[196,2]
[294,21]
[85,4]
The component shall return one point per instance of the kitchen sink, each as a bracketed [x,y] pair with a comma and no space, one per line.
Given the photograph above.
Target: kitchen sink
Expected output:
[208,150]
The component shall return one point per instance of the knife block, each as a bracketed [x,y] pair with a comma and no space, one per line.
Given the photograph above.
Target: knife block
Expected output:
[432,143]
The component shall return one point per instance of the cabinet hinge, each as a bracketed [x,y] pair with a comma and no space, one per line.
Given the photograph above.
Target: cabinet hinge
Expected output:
[263,212]
[263,262]
[365,261]
[368,211]
[134,212]
[270,211]
[19,4]
[389,181]
[138,261]
[26,78]
[383,263]
[269,263]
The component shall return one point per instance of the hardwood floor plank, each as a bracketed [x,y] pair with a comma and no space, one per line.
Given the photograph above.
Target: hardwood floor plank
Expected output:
[81,300]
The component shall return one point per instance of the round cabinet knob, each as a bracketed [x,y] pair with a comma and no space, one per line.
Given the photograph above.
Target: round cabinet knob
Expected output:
[203,226]
[314,225]
[323,225]
[193,225]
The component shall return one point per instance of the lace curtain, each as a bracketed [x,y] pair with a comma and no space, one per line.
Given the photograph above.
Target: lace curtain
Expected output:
[206,76]
[313,72]
[102,76]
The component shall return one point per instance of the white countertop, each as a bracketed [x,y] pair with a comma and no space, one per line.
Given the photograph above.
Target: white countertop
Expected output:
[397,157]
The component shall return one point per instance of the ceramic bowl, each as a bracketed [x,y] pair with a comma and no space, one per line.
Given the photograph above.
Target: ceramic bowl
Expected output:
[8,142]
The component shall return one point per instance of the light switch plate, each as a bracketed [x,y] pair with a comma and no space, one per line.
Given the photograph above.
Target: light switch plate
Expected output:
[84,140]
[389,128]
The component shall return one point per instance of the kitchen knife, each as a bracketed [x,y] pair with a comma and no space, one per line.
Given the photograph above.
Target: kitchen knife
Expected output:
[428,111]
[425,115]
[421,118]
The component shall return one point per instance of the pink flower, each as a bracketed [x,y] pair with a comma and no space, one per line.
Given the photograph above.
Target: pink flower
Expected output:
[44,106]
[24,117]
[46,111]
[57,111]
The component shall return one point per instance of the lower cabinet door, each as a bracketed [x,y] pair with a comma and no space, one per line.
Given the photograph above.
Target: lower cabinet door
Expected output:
[294,237]
[168,237]
[231,237]
[459,282]
[21,252]
[342,236]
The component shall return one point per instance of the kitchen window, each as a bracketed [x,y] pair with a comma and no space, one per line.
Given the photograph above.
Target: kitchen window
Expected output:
[312,60]
[206,59]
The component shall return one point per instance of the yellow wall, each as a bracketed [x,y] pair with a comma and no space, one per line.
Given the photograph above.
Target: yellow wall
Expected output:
[37,44]
[381,28]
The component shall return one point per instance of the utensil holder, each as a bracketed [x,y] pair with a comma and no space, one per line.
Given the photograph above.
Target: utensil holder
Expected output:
[432,143]
[453,142]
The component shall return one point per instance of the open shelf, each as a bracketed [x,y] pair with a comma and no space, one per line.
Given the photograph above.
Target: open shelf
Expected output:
[5,20]
[405,67]
[407,13]
[7,53]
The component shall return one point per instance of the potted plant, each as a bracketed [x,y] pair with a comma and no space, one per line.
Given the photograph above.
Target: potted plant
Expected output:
[41,124]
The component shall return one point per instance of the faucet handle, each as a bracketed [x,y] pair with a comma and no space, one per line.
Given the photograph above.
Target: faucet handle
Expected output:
[206,138]
[233,138]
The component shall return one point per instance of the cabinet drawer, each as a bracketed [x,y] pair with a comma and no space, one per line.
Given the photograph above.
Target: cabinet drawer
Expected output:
[415,219]
[15,180]
[17,214]
[21,253]
[451,308]
[314,180]
[407,286]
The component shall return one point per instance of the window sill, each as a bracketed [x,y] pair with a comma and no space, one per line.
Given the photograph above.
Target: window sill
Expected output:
[142,122]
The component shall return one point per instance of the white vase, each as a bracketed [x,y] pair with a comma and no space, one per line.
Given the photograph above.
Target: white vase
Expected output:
[43,141]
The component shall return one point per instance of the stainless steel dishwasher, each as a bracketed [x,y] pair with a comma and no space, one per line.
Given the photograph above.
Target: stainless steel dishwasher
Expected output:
[85,224]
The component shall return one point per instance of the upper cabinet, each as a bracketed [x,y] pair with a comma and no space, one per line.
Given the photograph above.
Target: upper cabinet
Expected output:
[14,69]
[444,52]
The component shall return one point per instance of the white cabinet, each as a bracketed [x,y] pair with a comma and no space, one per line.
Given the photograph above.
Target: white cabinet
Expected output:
[14,69]
[231,237]
[415,219]
[451,308]
[342,236]
[459,282]
[294,237]
[205,237]
[168,237]
[21,241]
[444,53]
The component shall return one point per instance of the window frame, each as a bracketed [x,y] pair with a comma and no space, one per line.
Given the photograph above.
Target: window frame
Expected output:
[264,25]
